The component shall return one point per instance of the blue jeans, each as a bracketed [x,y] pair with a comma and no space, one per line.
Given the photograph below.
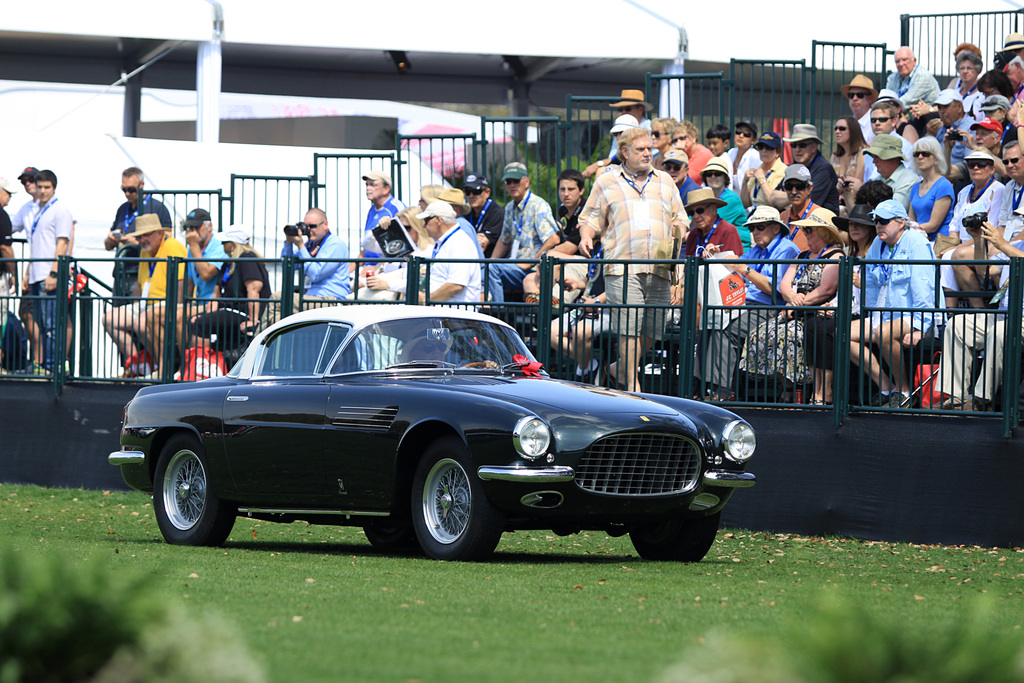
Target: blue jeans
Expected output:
[508,275]
[44,312]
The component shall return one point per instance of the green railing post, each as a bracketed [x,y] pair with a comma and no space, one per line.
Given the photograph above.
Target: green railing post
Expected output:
[1012,341]
[412,280]
[841,358]
[288,285]
[59,334]
[166,359]
[544,312]
[688,325]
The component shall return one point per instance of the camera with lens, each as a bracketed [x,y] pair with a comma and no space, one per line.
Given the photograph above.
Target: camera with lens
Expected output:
[299,228]
[954,135]
[974,221]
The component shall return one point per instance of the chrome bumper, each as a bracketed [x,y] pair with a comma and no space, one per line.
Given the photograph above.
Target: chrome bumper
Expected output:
[525,474]
[126,458]
[736,480]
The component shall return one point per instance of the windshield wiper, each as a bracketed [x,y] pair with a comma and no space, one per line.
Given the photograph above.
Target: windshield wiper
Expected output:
[423,364]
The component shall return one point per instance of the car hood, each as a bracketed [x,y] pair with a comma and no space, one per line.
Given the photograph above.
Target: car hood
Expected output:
[556,395]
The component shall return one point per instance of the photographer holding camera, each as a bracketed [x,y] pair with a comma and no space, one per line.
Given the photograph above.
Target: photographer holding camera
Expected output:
[967,333]
[321,256]
[974,203]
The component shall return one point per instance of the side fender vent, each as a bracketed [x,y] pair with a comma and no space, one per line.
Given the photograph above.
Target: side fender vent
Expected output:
[359,417]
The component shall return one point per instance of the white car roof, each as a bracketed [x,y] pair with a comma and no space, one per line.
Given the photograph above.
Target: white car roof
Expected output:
[360,315]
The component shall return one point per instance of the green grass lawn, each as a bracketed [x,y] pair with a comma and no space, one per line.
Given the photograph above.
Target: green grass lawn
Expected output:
[319,604]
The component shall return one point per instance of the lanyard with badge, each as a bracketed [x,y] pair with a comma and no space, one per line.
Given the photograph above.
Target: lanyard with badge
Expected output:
[902,90]
[518,223]
[39,216]
[440,242]
[129,217]
[883,290]
[703,245]
[480,218]
[641,210]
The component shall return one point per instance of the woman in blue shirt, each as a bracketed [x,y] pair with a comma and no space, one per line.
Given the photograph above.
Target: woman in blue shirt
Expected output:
[717,175]
[932,199]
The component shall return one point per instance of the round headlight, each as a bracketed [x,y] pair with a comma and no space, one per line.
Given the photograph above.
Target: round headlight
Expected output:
[739,441]
[531,437]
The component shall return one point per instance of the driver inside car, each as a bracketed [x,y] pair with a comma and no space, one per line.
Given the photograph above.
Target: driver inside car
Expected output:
[429,344]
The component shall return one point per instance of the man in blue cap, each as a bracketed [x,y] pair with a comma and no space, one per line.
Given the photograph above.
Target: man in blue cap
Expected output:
[890,287]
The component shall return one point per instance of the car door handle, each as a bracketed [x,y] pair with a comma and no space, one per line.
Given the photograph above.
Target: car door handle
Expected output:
[238,398]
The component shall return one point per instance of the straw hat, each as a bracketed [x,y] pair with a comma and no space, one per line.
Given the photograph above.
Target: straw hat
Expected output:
[821,219]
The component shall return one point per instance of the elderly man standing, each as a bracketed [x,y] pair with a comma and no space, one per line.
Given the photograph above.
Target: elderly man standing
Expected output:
[954,122]
[636,211]
[528,232]
[806,146]
[723,340]
[862,94]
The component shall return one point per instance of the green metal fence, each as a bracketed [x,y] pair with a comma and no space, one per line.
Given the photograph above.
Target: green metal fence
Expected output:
[699,97]
[339,190]
[265,204]
[933,37]
[533,140]
[770,93]
[432,160]
[834,65]
[180,202]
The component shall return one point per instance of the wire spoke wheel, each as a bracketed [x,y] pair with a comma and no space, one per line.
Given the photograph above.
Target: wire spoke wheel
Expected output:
[184,490]
[447,501]
[452,517]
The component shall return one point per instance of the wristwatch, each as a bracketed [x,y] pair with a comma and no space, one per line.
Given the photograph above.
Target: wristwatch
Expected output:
[747,271]
[53,273]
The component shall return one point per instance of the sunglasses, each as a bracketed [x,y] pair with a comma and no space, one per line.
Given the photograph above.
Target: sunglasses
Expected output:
[671,166]
[655,134]
[744,133]
[761,148]
[680,138]
[979,164]
[129,190]
[1011,161]
[512,181]
[760,227]
[842,128]
[881,119]
[882,221]
[699,211]
[918,155]
[473,193]
[713,174]
[859,95]
[807,229]
[801,145]
[314,225]
[796,187]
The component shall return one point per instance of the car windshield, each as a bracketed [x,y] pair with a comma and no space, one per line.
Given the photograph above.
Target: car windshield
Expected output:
[431,342]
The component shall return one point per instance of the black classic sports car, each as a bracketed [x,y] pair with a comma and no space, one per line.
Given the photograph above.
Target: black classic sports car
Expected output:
[431,428]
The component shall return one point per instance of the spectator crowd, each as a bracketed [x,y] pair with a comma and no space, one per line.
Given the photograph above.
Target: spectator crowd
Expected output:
[923,181]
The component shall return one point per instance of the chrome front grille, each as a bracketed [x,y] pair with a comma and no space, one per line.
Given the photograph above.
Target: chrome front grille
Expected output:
[639,464]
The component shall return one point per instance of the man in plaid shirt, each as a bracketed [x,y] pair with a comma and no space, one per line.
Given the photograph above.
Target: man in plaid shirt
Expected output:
[638,214]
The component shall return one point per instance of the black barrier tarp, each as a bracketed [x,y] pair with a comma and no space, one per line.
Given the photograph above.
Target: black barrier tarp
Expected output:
[922,479]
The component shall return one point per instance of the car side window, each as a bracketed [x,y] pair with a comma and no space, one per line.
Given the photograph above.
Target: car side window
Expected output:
[335,336]
[295,352]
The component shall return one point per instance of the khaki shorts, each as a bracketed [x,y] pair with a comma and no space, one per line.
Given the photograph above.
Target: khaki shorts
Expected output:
[642,289]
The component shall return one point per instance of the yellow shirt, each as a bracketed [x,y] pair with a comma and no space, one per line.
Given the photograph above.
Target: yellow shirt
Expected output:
[155,272]
[774,180]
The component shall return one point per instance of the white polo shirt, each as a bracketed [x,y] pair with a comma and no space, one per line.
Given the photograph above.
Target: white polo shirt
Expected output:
[456,244]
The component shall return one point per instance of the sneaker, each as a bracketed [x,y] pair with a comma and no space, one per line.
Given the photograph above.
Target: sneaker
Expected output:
[898,400]
[37,369]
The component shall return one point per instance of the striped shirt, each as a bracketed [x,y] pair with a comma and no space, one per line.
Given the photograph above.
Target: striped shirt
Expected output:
[612,211]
